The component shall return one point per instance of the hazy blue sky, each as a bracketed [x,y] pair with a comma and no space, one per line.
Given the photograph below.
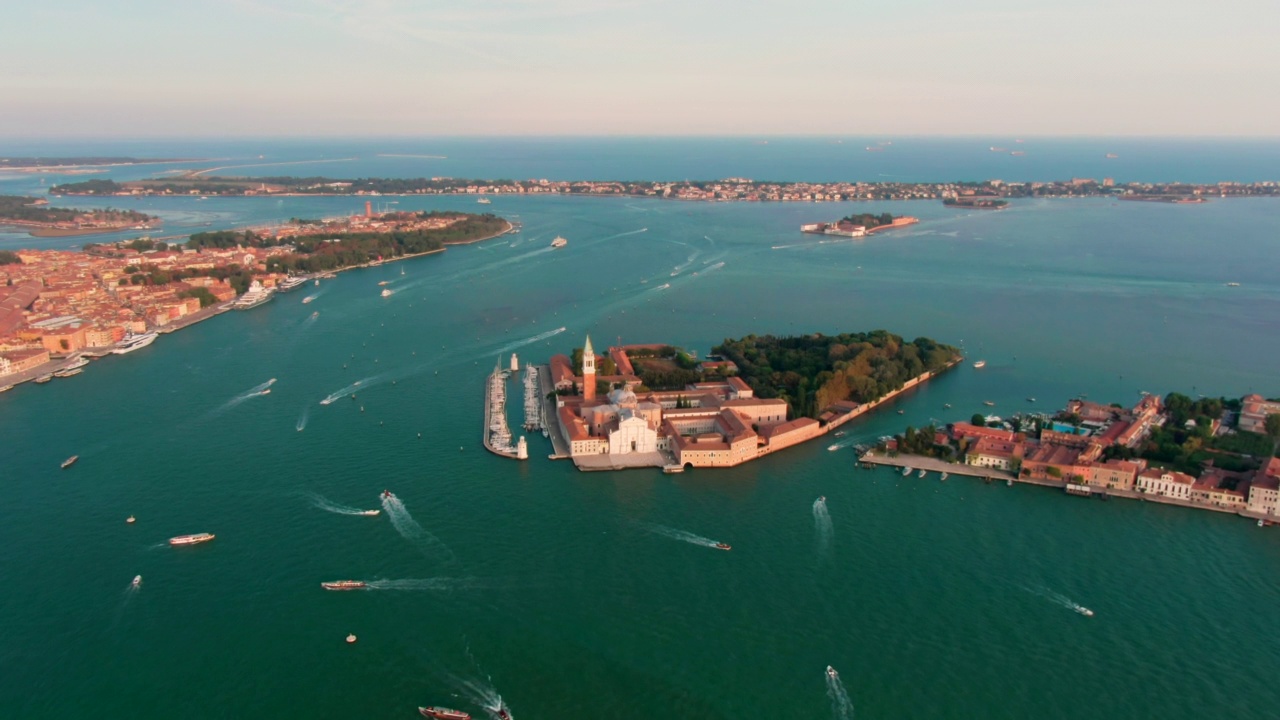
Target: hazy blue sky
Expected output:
[843,67]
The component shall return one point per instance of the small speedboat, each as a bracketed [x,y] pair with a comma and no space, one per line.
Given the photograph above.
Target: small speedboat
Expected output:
[344,585]
[443,713]
[386,495]
[1085,611]
[831,673]
[906,471]
[833,448]
[944,477]
[988,403]
[838,433]
[137,580]
[191,539]
[980,364]
[723,546]
[70,461]
[131,519]
[370,513]
[822,498]
[923,473]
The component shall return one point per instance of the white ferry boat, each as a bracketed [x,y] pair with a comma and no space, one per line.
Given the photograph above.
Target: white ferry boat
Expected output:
[253,297]
[559,242]
[191,539]
[135,342]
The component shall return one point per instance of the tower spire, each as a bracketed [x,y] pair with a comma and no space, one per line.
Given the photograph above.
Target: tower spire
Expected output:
[588,371]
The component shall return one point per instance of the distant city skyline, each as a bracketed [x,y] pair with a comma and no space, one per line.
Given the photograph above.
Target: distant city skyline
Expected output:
[616,67]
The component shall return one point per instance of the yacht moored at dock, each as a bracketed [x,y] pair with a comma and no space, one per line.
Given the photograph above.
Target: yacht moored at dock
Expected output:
[290,283]
[134,342]
[253,297]
[191,539]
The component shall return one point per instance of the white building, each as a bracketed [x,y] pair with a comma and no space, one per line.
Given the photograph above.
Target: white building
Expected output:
[1166,483]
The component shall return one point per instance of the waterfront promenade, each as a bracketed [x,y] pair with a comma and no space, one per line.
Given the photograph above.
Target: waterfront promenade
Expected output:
[920,462]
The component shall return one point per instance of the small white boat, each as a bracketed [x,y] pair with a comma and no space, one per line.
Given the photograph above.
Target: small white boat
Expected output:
[137,580]
[559,242]
[1084,611]
[831,673]
[70,461]
[943,477]
[980,364]
[833,448]
[906,471]
[131,519]
[370,513]
[386,293]
[484,201]
[923,473]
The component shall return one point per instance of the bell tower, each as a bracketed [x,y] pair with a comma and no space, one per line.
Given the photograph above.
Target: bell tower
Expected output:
[588,371]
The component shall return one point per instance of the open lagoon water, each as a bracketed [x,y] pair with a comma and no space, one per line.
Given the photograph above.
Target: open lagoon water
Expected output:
[577,595]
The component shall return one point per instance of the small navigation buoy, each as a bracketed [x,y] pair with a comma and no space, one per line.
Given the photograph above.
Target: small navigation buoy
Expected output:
[131,519]
[351,639]
[419,436]
[459,448]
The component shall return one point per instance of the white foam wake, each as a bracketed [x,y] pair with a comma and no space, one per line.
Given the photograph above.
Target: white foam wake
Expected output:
[328,505]
[822,527]
[527,341]
[302,419]
[255,391]
[841,705]
[436,583]
[410,529]
[1059,599]
[681,535]
[349,389]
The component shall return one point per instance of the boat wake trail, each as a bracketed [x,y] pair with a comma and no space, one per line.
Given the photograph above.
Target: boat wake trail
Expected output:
[841,705]
[437,583]
[256,391]
[684,265]
[313,296]
[822,524]
[302,419]
[527,341]
[1059,599]
[349,389]
[482,694]
[410,529]
[681,535]
[327,505]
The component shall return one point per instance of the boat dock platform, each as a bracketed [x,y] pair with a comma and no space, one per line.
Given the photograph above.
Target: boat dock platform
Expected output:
[919,462]
[550,417]
[497,436]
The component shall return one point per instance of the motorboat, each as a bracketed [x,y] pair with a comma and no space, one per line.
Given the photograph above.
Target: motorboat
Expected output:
[988,403]
[289,283]
[70,461]
[723,546]
[191,539]
[386,292]
[68,372]
[443,713]
[1085,611]
[822,498]
[944,476]
[980,364]
[384,282]
[131,520]
[838,433]
[137,580]
[308,299]
[484,201]
[559,242]
[923,473]
[370,513]
[344,585]
[833,448]
[386,495]
[831,673]
[44,379]
[906,471]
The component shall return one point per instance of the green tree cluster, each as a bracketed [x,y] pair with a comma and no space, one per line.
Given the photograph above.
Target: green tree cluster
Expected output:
[812,372]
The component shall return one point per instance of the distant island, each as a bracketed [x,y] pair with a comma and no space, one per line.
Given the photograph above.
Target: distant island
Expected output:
[731,189]
[979,202]
[1210,453]
[40,220]
[658,406]
[859,225]
[33,164]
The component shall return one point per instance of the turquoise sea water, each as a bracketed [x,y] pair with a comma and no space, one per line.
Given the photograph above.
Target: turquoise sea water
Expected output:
[566,592]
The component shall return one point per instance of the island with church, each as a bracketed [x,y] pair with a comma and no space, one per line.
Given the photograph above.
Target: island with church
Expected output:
[659,406]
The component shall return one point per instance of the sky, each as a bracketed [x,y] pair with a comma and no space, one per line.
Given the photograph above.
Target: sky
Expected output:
[261,68]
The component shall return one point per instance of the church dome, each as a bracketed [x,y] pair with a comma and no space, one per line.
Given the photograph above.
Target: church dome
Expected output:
[622,396]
